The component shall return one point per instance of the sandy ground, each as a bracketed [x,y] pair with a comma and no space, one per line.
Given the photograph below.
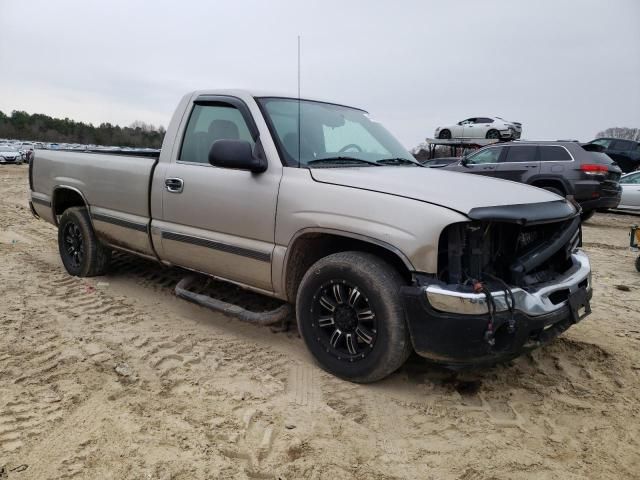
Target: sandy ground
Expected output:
[114,377]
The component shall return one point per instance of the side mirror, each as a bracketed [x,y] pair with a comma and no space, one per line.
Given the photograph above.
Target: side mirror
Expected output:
[464,161]
[236,154]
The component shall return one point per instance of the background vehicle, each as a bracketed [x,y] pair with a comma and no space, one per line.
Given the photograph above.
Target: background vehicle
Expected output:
[440,162]
[564,168]
[481,127]
[29,150]
[626,153]
[334,216]
[9,154]
[630,199]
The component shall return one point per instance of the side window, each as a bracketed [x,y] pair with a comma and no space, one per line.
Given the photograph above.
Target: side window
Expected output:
[631,179]
[522,153]
[207,124]
[622,145]
[484,120]
[489,155]
[553,154]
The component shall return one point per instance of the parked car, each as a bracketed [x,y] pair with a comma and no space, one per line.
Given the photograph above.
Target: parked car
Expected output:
[379,255]
[10,154]
[564,168]
[626,153]
[630,184]
[440,162]
[29,150]
[481,127]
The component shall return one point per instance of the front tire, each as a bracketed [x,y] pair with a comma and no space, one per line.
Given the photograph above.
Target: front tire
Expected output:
[444,134]
[351,317]
[493,134]
[81,252]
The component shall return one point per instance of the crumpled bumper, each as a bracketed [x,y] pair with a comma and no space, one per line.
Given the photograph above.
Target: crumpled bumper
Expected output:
[449,327]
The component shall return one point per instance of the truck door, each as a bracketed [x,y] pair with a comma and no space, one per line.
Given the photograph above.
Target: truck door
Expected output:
[217,220]
[519,163]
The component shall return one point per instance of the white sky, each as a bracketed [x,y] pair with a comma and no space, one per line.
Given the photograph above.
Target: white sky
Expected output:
[565,69]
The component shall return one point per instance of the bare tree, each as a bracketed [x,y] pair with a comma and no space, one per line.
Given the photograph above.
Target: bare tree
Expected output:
[625,133]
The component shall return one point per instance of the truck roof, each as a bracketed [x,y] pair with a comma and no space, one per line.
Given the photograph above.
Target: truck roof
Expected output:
[243,93]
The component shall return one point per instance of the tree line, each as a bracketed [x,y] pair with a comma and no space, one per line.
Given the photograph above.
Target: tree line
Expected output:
[43,128]
[625,133]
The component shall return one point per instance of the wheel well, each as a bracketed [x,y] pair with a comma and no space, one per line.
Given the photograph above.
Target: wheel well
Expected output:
[550,183]
[309,248]
[64,198]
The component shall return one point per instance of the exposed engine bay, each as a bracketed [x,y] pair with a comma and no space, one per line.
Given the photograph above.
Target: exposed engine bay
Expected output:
[512,253]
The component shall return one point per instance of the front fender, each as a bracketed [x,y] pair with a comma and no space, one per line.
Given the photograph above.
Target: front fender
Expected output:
[411,227]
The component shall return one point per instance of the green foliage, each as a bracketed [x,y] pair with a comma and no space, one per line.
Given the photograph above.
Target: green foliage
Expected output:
[43,128]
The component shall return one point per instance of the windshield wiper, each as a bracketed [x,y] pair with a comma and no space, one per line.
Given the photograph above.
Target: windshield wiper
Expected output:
[341,161]
[396,161]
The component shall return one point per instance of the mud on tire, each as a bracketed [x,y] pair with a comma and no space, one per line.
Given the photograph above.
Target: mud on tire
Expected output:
[351,317]
[82,254]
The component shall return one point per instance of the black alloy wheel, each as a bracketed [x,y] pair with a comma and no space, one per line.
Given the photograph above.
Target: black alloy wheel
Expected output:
[82,254]
[344,321]
[73,244]
[350,314]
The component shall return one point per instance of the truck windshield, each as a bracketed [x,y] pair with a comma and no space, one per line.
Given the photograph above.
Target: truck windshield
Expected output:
[330,135]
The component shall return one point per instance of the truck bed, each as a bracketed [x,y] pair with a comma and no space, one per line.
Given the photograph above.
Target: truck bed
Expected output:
[115,187]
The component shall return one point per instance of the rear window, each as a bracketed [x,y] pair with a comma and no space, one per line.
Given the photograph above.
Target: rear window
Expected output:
[598,157]
[524,153]
[553,154]
[623,145]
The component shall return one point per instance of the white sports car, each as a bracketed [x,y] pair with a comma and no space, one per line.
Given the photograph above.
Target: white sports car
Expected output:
[481,127]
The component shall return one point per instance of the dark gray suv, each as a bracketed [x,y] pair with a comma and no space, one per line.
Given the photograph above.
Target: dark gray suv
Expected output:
[565,168]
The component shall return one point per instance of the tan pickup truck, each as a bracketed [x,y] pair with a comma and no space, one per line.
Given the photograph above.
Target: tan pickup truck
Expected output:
[316,204]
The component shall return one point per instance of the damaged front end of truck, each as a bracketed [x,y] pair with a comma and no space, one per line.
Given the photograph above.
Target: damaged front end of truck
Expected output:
[509,280]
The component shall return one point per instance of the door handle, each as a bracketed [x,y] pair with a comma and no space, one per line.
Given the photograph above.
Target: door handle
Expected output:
[174,185]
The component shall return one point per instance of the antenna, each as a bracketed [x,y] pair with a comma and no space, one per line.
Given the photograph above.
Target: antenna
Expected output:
[299,128]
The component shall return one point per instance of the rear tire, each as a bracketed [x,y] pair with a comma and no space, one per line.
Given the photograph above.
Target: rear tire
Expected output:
[444,134]
[638,264]
[554,190]
[82,254]
[493,134]
[587,214]
[351,317]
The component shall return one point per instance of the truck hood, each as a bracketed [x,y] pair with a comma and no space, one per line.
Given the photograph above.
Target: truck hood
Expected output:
[463,192]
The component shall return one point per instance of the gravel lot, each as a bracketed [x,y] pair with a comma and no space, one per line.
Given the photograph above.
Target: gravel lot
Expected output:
[114,377]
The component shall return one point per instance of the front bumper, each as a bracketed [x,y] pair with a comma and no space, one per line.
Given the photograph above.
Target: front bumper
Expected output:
[449,327]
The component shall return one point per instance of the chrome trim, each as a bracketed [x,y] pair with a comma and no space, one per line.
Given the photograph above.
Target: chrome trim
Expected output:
[532,302]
